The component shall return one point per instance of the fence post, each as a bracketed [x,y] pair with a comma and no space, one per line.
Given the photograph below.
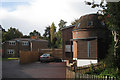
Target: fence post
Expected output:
[103,78]
[107,77]
[115,78]
[92,76]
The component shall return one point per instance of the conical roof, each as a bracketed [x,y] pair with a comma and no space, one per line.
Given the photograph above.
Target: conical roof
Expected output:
[89,21]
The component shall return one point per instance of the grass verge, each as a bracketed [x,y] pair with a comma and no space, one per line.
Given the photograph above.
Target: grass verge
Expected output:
[7,59]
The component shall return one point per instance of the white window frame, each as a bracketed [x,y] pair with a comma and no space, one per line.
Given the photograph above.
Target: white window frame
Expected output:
[25,43]
[12,42]
[10,51]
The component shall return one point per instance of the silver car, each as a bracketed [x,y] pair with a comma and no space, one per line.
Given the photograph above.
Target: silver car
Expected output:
[46,58]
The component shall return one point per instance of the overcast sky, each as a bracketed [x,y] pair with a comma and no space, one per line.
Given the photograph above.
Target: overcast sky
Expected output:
[29,15]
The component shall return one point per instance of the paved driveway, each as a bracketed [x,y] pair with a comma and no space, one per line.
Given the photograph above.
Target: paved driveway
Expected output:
[12,69]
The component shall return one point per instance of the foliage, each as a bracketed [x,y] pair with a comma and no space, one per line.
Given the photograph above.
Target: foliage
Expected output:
[3,35]
[54,38]
[52,33]
[62,24]
[114,21]
[12,33]
[75,21]
[111,14]
[46,36]
[109,72]
[35,33]
[59,39]
[96,70]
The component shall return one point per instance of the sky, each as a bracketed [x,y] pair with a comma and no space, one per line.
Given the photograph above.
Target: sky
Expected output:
[29,15]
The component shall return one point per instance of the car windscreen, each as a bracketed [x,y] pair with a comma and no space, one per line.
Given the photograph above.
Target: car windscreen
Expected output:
[45,55]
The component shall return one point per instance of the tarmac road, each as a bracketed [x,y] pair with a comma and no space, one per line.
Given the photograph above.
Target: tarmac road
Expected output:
[12,69]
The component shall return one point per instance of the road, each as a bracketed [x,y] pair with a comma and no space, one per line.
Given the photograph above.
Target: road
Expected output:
[12,69]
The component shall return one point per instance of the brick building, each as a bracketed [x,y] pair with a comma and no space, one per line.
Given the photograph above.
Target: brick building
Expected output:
[89,40]
[12,48]
[67,44]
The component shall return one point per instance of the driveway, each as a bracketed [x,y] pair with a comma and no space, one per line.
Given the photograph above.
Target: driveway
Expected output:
[12,69]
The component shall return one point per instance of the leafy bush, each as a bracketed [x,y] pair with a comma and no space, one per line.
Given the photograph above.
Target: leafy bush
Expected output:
[109,72]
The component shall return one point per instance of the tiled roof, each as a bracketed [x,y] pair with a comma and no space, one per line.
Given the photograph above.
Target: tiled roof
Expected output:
[28,39]
[89,21]
[68,27]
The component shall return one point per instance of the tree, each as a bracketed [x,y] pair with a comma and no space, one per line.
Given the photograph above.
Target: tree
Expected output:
[111,14]
[2,34]
[59,39]
[75,22]
[52,33]
[12,33]
[62,24]
[46,36]
[35,33]
[114,25]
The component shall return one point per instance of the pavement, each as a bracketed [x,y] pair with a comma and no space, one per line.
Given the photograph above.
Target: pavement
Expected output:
[12,69]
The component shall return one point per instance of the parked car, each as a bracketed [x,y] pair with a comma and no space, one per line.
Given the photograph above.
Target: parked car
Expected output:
[48,58]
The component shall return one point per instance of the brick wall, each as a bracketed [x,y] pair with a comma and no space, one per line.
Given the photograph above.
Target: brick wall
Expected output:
[6,47]
[74,49]
[54,52]
[82,49]
[84,33]
[67,35]
[36,45]
[33,56]
[23,47]
[33,46]
[28,56]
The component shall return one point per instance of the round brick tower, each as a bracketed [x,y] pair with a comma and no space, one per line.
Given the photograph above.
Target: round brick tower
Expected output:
[88,30]
[89,26]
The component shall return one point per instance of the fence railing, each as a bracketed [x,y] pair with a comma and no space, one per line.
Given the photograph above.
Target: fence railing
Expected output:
[87,68]
[79,76]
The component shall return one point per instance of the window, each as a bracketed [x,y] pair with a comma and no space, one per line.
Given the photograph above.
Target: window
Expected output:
[25,43]
[67,48]
[90,23]
[78,25]
[10,51]
[12,43]
[88,49]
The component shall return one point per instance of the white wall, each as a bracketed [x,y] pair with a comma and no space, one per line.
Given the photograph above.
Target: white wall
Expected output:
[83,62]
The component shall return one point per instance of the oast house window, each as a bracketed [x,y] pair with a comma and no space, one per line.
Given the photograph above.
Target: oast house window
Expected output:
[12,42]
[25,43]
[90,23]
[78,25]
